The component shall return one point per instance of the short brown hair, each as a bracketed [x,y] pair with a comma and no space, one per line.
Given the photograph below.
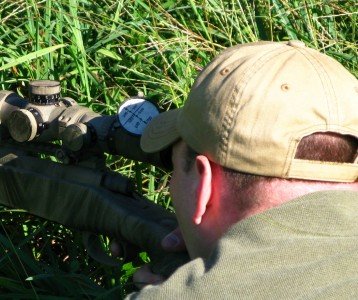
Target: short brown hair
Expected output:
[328,146]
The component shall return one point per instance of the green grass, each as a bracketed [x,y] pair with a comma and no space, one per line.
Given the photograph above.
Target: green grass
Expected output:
[105,51]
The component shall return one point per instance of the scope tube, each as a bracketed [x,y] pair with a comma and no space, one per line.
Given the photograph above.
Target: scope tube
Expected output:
[79,128]
[128,145]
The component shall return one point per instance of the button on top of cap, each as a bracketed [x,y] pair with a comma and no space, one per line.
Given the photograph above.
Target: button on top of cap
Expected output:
[297,44]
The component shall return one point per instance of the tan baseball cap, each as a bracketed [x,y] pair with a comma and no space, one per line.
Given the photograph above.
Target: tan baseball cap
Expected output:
[251,106]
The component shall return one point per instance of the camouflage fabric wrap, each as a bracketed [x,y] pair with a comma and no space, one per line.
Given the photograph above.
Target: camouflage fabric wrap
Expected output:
[75,197]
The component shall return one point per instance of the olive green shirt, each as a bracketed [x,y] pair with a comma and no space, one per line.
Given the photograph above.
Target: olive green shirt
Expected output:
[306,248]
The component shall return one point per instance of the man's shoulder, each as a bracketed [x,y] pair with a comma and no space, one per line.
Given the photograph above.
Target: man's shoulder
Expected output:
[306,247]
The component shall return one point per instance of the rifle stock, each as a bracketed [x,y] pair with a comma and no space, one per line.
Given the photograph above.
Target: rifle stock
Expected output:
[73,196]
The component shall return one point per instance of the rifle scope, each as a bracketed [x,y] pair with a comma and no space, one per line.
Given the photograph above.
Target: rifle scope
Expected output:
[46,116]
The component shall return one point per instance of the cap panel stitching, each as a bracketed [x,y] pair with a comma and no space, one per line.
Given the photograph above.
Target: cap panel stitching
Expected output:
[235,100]
[325,81]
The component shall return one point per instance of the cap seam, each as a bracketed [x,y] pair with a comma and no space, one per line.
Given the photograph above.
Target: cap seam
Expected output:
[292,148]
[235,100]
[325,79]
[333,127]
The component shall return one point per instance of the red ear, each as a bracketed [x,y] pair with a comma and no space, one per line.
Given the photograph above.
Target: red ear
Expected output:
[203,191]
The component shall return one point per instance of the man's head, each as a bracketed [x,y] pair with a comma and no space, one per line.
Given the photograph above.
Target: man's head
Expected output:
[265,121]
[251,106]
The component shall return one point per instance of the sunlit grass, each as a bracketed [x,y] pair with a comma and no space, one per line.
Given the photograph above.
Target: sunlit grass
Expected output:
[105,51]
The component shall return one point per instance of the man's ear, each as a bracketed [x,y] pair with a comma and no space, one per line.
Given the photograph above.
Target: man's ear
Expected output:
[203,189]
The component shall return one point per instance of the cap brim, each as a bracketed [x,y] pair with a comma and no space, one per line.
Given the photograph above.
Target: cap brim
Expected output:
[161,132]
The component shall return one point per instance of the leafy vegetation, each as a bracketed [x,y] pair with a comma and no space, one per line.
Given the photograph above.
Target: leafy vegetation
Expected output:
[105,51]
